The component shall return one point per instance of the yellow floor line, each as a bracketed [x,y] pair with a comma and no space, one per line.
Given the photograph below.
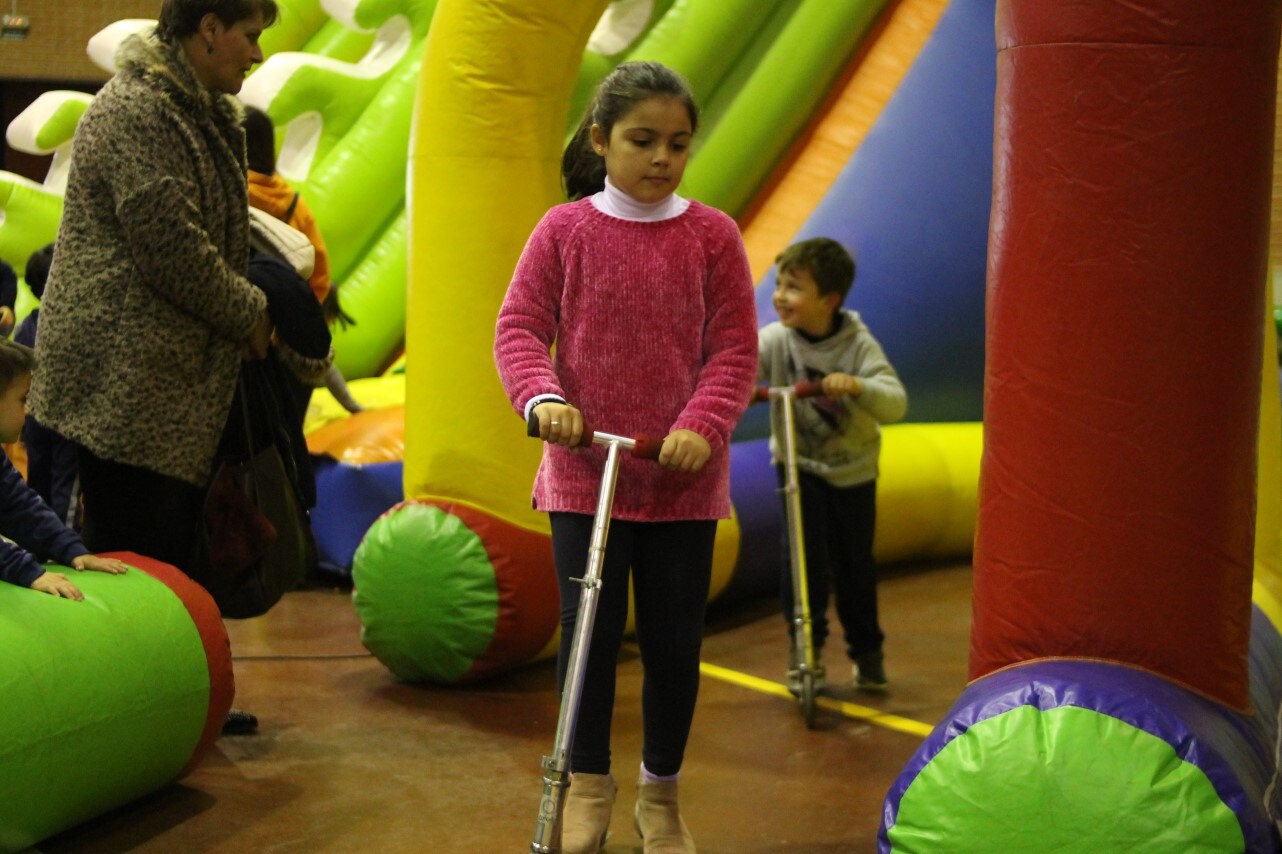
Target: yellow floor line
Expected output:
[850,710]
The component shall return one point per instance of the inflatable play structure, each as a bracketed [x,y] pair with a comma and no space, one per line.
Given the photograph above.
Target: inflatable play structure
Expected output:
[1113,608]
[349,84]
[476,197]
[790,89]
[930,119]
[1126,690]
[108,699]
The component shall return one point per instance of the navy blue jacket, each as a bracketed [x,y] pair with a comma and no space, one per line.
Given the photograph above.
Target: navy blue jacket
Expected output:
[36,530]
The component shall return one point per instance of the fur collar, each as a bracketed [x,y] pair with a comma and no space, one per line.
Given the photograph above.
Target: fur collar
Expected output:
[166,67]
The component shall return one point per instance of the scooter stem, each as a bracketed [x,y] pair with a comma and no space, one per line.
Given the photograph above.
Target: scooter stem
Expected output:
[803,639]
[547,832]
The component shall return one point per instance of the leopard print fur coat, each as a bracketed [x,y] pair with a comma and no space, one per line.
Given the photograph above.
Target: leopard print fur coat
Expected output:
[147,304]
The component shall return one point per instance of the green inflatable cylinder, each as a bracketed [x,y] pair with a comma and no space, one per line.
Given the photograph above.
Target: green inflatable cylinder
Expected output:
[105,700]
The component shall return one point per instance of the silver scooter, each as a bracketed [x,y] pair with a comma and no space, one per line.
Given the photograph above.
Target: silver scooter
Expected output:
[803,647]
[556,774]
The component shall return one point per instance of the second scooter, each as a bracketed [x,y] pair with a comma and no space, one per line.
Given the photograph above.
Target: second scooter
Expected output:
[804,660]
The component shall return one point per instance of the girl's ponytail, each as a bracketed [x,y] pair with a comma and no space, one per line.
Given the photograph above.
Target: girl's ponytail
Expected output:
[582,169]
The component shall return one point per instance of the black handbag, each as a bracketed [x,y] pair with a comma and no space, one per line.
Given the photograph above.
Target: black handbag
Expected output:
[255,543]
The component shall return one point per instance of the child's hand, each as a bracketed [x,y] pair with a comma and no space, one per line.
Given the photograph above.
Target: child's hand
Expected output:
[260,338]
[837,384]
[56,584]
[100,564]
[559,423]
[684,450]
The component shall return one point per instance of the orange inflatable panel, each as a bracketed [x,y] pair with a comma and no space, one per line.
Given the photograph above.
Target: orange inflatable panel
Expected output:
[371,436]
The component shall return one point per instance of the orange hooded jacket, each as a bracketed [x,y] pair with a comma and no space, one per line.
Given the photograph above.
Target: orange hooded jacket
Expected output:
[270,194]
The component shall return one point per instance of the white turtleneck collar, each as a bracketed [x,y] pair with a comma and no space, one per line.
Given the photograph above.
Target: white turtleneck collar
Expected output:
[614,202]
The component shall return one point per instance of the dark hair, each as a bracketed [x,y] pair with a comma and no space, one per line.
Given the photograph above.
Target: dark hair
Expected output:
[334,313]
[37,272]
[8,285]
[260,141]
[15,360]
[181,18]
[582,169]
[829,264]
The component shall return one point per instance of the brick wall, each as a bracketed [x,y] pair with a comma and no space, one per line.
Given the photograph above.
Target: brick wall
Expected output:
[53,57]
[60,29]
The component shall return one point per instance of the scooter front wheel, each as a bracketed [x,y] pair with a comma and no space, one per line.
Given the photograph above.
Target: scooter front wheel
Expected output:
[809,690]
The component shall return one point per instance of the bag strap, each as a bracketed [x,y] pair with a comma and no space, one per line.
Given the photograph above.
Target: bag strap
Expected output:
[249,439]
[289,214]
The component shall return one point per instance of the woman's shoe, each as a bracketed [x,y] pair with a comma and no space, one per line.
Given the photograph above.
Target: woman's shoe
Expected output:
[585,823]
[239,722]
[659,822]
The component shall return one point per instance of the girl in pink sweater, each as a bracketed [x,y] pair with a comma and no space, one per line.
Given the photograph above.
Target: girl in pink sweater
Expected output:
[649,300]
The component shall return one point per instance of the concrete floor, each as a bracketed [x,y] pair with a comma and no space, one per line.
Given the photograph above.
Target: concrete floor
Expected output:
[349,759]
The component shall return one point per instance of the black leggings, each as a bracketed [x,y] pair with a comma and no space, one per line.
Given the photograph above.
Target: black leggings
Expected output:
[671,566]
[128,508]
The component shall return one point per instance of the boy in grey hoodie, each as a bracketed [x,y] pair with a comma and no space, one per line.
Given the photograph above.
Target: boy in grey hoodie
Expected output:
[838,442]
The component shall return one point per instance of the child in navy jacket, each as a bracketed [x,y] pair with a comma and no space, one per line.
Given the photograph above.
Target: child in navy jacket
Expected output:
[51,459]
[25,519]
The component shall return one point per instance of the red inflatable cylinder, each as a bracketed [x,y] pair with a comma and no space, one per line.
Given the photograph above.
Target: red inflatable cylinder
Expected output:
[1127,261]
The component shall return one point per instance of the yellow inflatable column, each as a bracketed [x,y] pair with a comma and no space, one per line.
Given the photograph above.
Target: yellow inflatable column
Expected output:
[458,583]
[485,152]
[1267,590]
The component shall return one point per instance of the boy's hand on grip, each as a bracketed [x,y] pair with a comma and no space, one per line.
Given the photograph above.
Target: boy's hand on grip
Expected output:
[837,384]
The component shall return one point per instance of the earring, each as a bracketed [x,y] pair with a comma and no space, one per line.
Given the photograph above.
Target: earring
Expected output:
[209,47]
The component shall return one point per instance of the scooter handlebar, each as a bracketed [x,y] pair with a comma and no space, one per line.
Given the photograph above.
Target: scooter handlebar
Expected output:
[643,447]
[647,448]
[802,389]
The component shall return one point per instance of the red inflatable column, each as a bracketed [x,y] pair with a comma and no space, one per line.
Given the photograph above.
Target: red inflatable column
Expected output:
[1128,253]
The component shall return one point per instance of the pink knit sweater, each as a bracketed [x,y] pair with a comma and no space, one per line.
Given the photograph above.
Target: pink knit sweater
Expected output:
[655,329]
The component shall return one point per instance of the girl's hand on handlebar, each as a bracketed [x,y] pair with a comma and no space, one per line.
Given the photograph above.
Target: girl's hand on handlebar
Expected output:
[837,384]
[559,423]
[684,450]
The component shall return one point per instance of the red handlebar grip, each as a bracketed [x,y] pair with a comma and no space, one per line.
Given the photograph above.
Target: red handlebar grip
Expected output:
[808,389]
[647,448]
[761,393]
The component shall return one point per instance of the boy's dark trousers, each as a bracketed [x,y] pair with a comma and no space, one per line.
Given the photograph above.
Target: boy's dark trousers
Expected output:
[838,525]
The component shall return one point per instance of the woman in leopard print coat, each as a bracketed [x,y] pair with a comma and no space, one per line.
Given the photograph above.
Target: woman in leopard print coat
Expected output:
[147,312]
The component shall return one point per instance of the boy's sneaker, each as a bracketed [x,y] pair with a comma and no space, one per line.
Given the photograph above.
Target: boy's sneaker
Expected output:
[870,672]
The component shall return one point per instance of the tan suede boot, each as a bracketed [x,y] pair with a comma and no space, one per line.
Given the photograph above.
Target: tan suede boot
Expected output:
[659,822]
[586,820]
